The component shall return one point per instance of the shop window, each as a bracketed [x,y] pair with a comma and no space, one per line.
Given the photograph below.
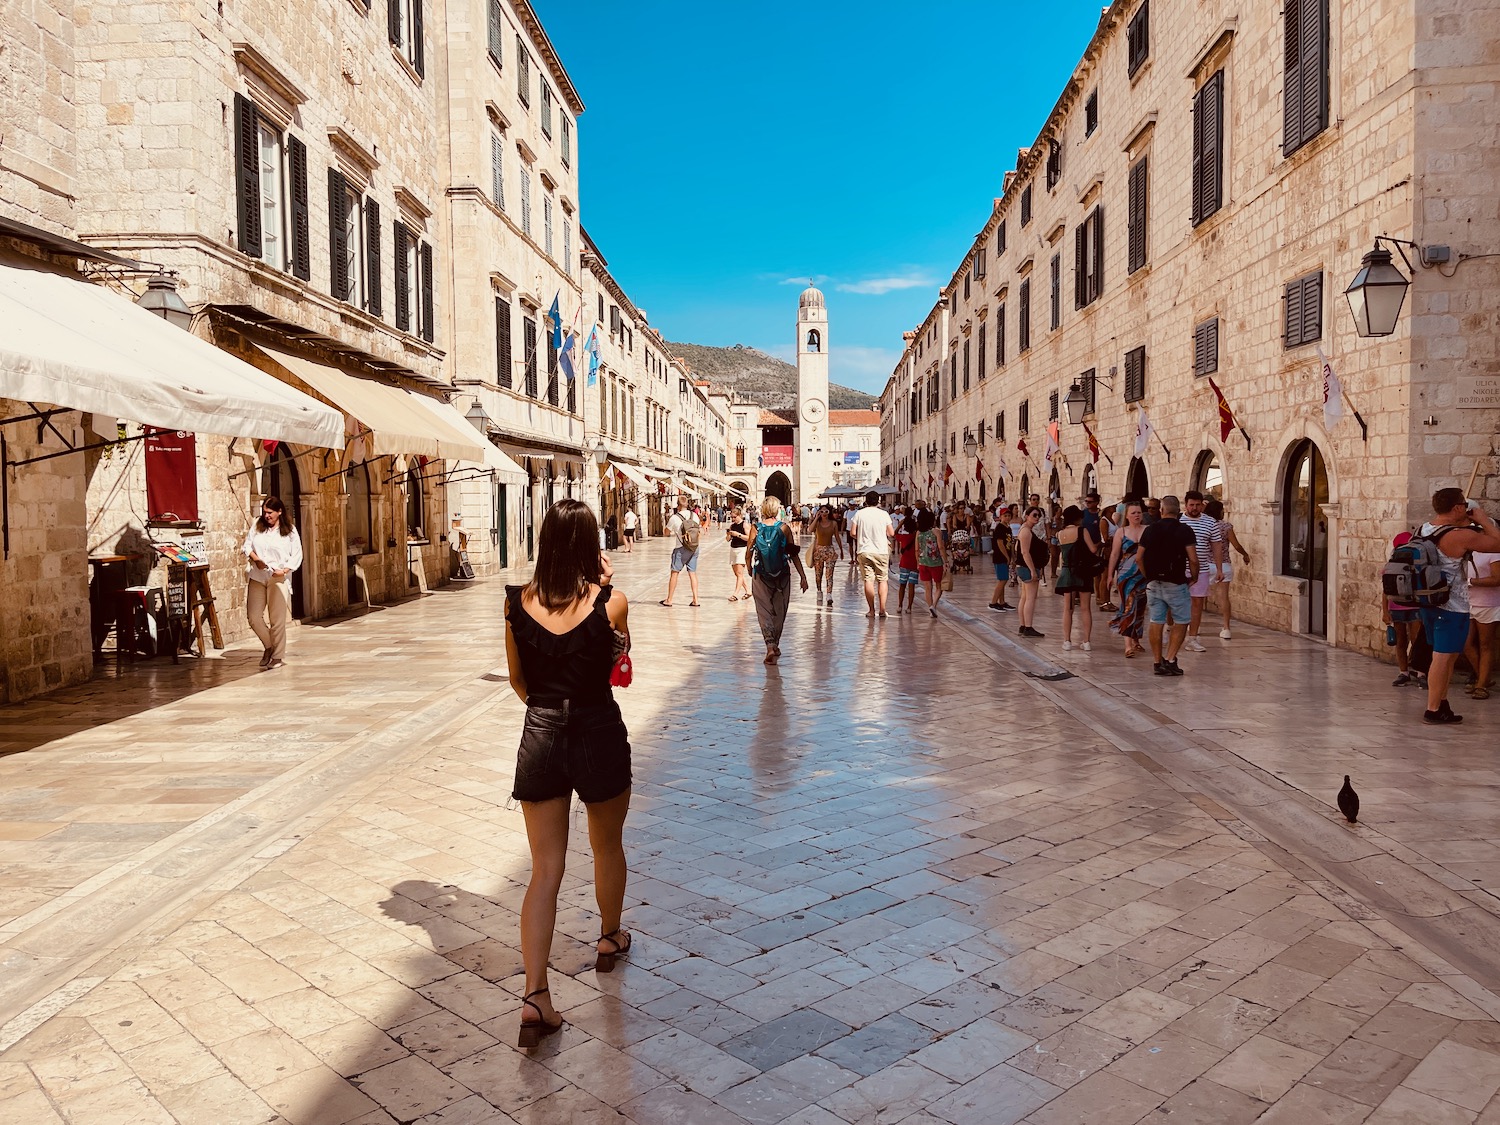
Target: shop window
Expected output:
[416,518]
[358,528]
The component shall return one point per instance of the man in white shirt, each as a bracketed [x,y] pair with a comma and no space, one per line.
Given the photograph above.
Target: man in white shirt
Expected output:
[849,514]
[685,528]
[872,548]
[1210,547]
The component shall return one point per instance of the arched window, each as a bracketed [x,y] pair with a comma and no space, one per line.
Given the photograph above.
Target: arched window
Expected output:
[1137,483]
[814,340]
[1208,477]
[1090,480]
[1304,529]
[415,519]
[357,531]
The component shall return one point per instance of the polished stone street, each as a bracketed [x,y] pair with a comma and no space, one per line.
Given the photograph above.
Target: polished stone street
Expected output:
[917,873]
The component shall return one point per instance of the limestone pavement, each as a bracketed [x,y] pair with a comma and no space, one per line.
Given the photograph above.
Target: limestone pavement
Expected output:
[891,880]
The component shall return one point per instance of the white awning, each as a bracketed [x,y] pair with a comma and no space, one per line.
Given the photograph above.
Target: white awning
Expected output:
[396,419]
[67,343]
[452,419]
[632,473]
[702,486]
[501,462]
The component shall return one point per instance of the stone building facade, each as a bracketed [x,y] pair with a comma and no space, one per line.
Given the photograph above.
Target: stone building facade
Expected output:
[1192,210]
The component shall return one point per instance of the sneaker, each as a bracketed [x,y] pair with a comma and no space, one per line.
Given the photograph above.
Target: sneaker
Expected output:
[996,605]
[1172,667]
[1420,679]
[1403,679]
[1443,715]
[1193,644]
[1086,647]
[1028,631]
[830,603]
[1160,668]
[1224,635]
[932,610]
[1005,606]
[1067,646]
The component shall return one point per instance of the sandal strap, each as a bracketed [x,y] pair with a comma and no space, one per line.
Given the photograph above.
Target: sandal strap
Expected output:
[539,992]
[613,937]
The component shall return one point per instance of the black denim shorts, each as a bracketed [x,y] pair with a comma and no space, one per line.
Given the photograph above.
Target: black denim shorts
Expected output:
[568,746]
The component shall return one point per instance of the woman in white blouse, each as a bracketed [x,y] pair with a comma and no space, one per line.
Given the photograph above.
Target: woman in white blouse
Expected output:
[274,551]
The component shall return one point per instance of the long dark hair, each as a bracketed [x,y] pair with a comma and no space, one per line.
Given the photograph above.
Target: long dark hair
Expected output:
[567,555]
[273,503]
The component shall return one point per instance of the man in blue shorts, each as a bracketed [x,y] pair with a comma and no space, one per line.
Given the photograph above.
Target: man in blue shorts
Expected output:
[1168,559]
[1458,528]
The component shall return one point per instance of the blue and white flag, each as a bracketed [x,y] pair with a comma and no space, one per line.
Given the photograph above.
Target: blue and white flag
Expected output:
[554,314]
[591,349]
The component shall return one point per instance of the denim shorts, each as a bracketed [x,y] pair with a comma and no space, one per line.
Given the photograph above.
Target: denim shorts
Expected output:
[1446,629]
[568,747]
[1164,596]
[683,559]
[1002,572]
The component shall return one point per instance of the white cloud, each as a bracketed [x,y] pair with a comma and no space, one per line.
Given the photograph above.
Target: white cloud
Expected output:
[864,369]
[804,281]
[879,286]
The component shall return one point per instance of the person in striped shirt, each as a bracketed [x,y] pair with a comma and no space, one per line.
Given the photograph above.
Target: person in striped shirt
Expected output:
[1210,536]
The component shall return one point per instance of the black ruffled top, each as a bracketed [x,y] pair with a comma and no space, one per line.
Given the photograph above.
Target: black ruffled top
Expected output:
[574,665]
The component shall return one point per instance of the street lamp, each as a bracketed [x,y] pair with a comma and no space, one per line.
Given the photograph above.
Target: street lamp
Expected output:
[932,457]
[162,299]
[601,454]
[1377,293]
[971,445]
[1076,403]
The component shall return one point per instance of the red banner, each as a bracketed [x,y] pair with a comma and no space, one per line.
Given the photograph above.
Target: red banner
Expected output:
[171,475]
[777,454]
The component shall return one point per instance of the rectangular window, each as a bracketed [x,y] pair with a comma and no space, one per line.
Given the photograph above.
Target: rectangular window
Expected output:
[1140,181]
[427,329]
[271,183]
[528,353]
[1087,382]
[1023,318]
[1000,335]
[1138,38]
[1023,417]
[1208,148]
[1091,114]
[1000,239]
[1206,347]
[979,263]
[1026,206]
[346,240]
[546,110]
[404,25]
[567,139]
[523,72]
[552,377]
[1057,290]
[273,210]
[1000,426]
[981,367]
[1089,265]
[372,259]
[1054,164]
[401,242]
[1304,310]
[968,281]
[567,262]
[526,200]
[952,378]
[547,224]
[503,359]
[966,366]
[1135,374]
[497,169]
[1052,407]
[1304,94]
[497,33]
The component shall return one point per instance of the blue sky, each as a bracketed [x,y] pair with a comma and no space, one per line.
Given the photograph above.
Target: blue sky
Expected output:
[731,151]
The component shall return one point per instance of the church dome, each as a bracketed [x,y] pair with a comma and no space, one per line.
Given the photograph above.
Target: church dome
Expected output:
[811,298]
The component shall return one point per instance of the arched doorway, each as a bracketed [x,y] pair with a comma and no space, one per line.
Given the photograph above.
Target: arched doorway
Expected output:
[1025,494]
[1208,476]
[780,487]
[278,477]
[1304,529]
[1137,482]
[1054,487]
[1090,480]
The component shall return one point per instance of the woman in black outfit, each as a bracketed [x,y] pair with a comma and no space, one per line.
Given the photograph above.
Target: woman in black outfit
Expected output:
[562,632]
[738,536]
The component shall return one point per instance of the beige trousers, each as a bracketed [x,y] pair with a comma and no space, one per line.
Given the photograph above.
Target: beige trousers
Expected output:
[271,599]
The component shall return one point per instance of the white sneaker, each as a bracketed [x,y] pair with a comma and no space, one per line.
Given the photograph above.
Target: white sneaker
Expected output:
[1067,646]
[1224,634]
[1193,644]
[1086,647]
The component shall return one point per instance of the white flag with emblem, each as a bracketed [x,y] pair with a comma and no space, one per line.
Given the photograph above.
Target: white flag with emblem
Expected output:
[1143,432]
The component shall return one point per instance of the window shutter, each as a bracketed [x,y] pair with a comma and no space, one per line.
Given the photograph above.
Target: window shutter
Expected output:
[372,256]
[1097,288]
[1213,142]
[528,342]
[417,38]
[1314,67]
[1052,407]
[1198,130]
[1292,297]
[403,276]
[552,367]
[1206,347]
[1137,218]
[981,351]
[966,365]
[1023,329]
[247,173]
[1139,39]
[1000,239]
[393,20]
[424,257]
[338,245]
[296,158]
[1056,290]
[1135,375]
[497,170]
[497,26]
[1000,336]
[1000,426]
[1291,87]
[1312,308]
[1080,266]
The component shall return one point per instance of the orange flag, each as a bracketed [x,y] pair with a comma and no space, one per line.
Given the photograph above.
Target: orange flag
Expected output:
[1227,421]
[1093,443]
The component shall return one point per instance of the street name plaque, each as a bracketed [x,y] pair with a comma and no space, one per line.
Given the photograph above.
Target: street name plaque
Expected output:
[1478,392]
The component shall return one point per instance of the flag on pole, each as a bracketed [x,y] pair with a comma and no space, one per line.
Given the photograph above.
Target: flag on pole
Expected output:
[947,472]
[1333,394]
[1143,432]
[930,480]
[1093,443]
[554,314]
[1051,446]
[1021,445]
[1227,423]
[978,469]
[1003,471]
[591,349]
[565,353]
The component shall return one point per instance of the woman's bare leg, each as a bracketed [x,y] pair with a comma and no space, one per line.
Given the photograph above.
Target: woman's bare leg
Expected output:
[547,834]
[606,830]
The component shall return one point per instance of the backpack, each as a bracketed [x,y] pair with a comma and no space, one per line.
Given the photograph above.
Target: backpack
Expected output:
[689,531]
[770,551]
[1414,575]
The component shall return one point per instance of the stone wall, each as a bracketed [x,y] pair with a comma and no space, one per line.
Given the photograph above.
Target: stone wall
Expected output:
[37,119]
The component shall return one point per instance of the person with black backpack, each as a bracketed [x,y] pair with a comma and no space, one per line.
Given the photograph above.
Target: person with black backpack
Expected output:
[773,554]
[1429,572]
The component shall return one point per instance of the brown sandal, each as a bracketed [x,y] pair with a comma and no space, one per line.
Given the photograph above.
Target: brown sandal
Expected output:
[533,1031]
[606,961]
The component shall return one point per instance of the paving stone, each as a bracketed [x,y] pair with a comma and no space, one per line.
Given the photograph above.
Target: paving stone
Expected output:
[878,1045]
[781,1040]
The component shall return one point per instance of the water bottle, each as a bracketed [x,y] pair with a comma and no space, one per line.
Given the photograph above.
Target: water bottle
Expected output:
[1390,636]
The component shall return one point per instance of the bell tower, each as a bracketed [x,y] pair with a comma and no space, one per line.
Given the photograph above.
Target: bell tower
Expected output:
[813,472]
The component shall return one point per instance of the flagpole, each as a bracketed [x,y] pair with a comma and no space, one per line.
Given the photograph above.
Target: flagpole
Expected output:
[1168,452]
[1364,430]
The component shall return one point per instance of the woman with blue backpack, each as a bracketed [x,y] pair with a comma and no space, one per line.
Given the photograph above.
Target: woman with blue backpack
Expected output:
[773,554]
